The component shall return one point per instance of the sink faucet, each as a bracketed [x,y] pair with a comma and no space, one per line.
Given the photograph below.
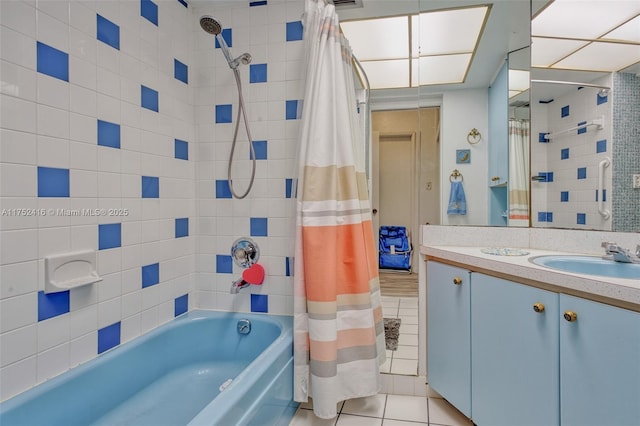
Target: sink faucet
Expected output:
[620,254]
[237,285]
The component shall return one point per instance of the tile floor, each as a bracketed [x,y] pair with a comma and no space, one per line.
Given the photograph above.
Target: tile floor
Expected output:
[387,409]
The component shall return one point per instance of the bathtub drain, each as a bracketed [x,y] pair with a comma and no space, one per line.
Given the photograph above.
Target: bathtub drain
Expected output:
[225,385]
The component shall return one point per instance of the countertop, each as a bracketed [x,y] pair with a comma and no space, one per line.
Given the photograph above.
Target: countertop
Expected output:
[621,292]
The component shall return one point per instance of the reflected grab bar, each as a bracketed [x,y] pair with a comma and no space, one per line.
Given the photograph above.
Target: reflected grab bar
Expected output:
[603,212]
[598,122]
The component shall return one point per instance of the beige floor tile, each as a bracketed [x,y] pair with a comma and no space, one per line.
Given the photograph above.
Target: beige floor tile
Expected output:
[406,352]
[350,420]
[372,406]
[408,328]
[305,417]
[407,367]
[443,413]
[408,339]
[408,408]
[390,422]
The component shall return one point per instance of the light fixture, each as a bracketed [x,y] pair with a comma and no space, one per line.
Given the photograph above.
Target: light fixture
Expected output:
[435,47]
[586,35]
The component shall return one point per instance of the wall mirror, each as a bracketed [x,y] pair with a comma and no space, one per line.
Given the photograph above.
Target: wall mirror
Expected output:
[585,92]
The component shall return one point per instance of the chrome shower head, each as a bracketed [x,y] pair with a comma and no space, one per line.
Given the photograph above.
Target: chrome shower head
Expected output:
[210,25]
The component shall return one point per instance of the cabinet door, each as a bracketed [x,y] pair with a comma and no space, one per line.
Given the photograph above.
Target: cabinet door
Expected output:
[514,353]
[449,334]
[599,364]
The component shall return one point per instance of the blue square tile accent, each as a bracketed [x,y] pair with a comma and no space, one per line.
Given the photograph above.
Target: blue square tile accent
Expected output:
[109,236]
[260,148]
[150,275]
[149,98]
[53,182]
[549,217]
[582,130]
[180,71]
[564,111]
[180,305]
[149,10]
[224,264]
[182,227]
[259,303]
[108,134]
[288,187]
[294,31]
[542,216]
[181,149]
[541,137]
[184,3]
[53,304]
[582,172]
[581,219]
[108,337]
[222,189]
[258,3]
[564,196]
[564,154]
[291,110]
[601,99]
[604,195]
[107,32]
[601,146]
[258,73]
[52,62]
[224,113]
[259,226]
[227,35]
[288,266]
[150,187]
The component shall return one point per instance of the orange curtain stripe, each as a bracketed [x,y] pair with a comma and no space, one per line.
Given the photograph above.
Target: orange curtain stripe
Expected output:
[335,261]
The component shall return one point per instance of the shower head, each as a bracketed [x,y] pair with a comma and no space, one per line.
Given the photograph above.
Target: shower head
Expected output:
[210,25]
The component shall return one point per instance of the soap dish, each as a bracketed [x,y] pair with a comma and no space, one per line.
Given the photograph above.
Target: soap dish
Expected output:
[70,270]
[504,251]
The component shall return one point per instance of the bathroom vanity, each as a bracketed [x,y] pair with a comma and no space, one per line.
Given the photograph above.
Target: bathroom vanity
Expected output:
[511,342]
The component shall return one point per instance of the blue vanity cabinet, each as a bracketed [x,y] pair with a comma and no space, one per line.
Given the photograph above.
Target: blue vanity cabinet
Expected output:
[514,353]
[600,364]
[449,334]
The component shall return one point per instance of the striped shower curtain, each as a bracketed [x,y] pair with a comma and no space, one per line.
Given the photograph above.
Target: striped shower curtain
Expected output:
[338,324]
[518,172]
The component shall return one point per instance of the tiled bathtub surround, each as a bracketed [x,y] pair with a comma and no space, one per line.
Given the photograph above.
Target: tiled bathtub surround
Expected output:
[110,142]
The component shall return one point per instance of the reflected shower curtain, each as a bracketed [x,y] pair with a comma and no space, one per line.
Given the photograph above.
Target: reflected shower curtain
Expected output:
[519,172]
[338,324]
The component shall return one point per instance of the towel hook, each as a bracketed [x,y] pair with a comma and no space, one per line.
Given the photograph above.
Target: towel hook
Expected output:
[474,136]
[455,175]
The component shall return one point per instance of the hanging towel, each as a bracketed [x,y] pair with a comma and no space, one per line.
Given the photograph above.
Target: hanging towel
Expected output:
[457,200]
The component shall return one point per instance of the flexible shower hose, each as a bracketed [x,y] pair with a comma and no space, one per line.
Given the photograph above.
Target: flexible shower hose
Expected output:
[241,113]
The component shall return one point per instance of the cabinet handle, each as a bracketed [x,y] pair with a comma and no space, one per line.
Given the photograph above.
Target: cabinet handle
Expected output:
[538,307]
[570,316]
[457,280]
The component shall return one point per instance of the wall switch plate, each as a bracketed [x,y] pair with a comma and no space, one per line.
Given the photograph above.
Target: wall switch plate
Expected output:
[636,181]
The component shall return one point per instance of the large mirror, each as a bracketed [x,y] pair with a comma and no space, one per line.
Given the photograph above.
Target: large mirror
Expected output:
[585,98]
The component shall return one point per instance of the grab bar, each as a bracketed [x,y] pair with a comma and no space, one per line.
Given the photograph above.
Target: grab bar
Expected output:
[606,214]
[599,122]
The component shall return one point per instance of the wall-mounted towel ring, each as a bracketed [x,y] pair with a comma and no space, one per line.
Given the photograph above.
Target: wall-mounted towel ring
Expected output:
[474,136]
[455,174]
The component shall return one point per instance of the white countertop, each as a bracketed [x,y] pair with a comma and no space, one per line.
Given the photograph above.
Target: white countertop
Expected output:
[618,291]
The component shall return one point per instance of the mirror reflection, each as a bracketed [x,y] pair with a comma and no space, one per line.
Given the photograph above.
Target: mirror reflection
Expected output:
[585,95]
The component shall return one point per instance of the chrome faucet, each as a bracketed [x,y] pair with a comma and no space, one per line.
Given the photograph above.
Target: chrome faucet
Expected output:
[620,254]
[237,285]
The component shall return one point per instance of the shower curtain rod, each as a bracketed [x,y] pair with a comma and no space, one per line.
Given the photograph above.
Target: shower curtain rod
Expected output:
[572,83]
[364,74]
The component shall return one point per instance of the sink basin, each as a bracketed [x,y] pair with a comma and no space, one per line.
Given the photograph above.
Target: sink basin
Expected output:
[589,265]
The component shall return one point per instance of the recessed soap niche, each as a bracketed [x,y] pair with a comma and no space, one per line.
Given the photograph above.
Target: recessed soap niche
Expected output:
[65,271]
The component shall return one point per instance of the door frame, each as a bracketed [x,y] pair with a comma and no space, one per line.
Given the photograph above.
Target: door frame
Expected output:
[414,227]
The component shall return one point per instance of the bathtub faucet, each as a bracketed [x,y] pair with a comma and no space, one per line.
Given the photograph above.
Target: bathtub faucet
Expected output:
[237,285]
[620,254]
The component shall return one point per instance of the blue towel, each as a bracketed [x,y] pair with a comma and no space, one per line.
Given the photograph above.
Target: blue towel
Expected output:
[457,200]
